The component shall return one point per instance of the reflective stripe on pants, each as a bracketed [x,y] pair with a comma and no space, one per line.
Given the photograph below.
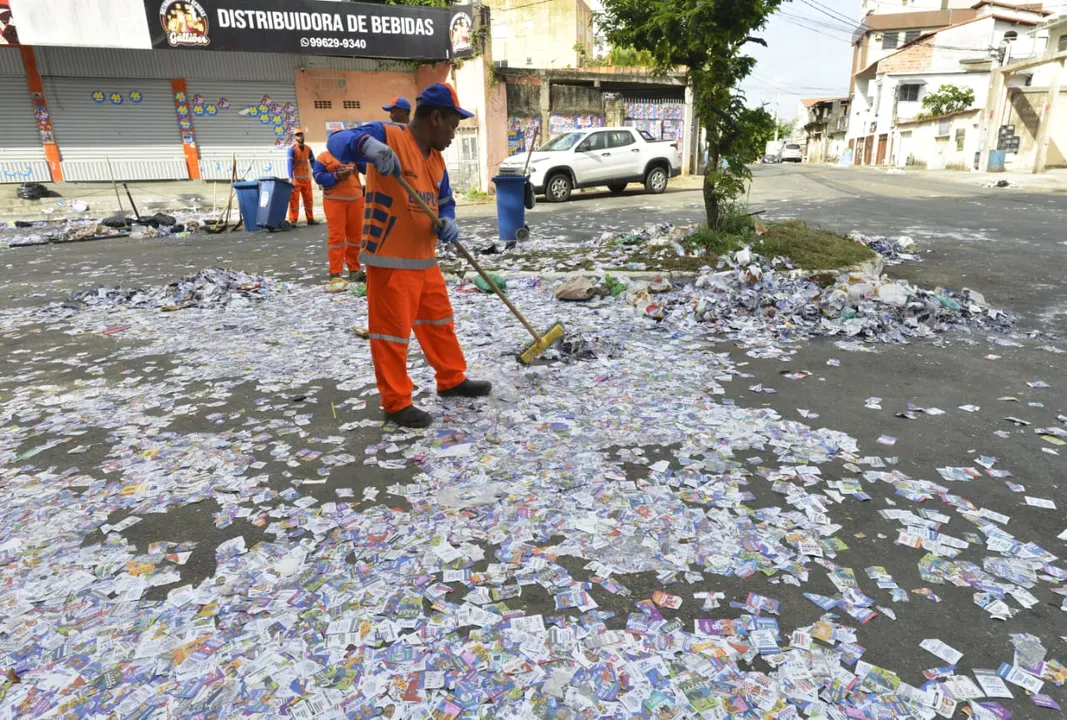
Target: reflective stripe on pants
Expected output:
[301,189]
[344,227]
[399,301]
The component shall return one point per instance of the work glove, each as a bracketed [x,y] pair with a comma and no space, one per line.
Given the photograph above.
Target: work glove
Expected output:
[381,156]
[448,231]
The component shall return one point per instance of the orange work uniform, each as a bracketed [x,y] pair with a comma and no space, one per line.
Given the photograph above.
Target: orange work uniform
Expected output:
[342,202]
[405,288]
[300,172]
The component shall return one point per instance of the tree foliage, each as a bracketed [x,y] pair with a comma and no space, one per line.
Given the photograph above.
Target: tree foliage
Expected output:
[708,38]
[947,99]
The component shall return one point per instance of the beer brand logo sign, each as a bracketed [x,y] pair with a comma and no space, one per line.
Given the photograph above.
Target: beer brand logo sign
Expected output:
[185,23]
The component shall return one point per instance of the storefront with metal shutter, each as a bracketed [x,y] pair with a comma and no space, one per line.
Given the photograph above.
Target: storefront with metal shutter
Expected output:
[118,106]
[22,157]
[252,121]
[115,128]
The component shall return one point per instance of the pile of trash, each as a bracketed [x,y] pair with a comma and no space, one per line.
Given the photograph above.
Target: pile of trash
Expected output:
[760,299]
[485,567]
[894,250]
[210,288]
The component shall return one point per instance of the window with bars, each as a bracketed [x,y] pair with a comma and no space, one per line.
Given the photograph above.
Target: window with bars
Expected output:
[911,35]
[324,104]
[351,104]
[890,40]
[1062,44]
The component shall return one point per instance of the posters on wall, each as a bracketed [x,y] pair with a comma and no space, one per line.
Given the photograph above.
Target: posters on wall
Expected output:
[559,124]
[312,27]
[520,133]
[663,121]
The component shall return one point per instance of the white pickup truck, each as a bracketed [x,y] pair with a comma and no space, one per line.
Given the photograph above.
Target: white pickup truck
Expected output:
[614,156]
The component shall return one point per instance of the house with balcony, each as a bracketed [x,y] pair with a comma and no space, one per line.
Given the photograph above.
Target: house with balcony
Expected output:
[823,123]
[887,93]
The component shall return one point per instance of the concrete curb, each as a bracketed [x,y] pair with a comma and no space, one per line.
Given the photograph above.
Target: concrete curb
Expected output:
[873,267]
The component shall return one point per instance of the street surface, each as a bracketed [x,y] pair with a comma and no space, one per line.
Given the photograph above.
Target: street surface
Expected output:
[171,418]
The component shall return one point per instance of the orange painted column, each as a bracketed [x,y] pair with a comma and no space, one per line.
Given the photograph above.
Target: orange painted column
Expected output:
[185,127]
[40,111]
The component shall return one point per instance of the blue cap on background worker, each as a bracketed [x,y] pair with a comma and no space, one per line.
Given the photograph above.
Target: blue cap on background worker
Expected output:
[399,110]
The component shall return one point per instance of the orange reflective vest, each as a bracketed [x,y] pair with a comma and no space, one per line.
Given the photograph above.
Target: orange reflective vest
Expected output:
[348,189]
[396,232]
[301,160]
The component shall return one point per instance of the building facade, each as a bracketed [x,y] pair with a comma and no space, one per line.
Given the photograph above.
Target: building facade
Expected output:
[544,34]
[74,113]
[889,90]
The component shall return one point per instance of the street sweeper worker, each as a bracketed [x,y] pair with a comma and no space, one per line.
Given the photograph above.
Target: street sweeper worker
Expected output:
[399,110]
[405,288]
[342,201]
[300,157]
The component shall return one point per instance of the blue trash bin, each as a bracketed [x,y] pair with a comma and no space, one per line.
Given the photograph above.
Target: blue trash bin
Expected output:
[996,160]
[273,202]
[511,207]
[248,202]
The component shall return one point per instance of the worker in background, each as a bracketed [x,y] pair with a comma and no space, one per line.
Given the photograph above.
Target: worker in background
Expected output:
[399,110]
[300,158]
[405,288]
[342,202]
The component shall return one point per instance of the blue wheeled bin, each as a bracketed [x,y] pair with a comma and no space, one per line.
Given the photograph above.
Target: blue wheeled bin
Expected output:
[248,202]
[511,208]
[273,202]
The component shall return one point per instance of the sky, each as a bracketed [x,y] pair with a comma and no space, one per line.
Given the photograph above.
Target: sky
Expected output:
[808,54]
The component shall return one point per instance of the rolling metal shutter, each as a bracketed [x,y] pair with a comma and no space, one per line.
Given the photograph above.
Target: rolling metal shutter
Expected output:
[132,125]
[258,139]
[21,155]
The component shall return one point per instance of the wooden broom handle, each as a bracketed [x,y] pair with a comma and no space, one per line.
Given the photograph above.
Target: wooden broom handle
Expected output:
[469,258]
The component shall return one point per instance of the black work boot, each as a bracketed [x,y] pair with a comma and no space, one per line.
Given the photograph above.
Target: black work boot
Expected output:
[410,417]
[468,388]
[357,276]
[312,223]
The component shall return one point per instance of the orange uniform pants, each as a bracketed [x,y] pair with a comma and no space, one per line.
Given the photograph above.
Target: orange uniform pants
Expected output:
[344,231]
[399,301]
[301,189]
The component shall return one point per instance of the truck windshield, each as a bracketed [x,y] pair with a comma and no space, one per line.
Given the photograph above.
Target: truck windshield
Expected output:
[561,142]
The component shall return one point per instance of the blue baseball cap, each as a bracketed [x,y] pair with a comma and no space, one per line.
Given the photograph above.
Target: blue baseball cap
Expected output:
[441,95]
[397,103]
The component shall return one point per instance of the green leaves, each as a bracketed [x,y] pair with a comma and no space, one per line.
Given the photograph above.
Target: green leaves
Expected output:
[707,37]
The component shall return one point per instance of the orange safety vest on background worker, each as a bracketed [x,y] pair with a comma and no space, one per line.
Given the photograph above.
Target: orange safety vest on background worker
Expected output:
[342,203]
[405,288]
[300,172]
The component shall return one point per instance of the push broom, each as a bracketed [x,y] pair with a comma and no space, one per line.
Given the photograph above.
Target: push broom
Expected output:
[541,342]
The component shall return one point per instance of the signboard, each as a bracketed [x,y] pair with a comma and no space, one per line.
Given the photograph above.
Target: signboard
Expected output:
[8,34]
[311,27]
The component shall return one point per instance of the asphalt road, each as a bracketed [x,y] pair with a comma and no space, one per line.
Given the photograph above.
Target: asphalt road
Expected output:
[1008,244]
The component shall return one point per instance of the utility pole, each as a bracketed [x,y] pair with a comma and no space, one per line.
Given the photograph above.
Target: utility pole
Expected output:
[777,103]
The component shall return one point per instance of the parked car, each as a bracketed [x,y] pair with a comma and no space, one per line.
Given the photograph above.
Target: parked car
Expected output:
[613,157]
[792,153]
[771,159]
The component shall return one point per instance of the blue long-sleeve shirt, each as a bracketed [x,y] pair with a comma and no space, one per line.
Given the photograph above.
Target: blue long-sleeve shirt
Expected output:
[348,145]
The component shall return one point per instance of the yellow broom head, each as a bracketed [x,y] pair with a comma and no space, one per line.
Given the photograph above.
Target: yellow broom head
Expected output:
[551,337]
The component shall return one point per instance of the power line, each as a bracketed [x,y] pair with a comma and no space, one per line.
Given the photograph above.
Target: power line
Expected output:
[836,13]
[852,26]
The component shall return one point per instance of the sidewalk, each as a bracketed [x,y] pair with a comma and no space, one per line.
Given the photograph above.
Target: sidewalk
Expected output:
[150,197]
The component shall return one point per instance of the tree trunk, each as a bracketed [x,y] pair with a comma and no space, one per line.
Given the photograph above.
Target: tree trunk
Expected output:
[712,197]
